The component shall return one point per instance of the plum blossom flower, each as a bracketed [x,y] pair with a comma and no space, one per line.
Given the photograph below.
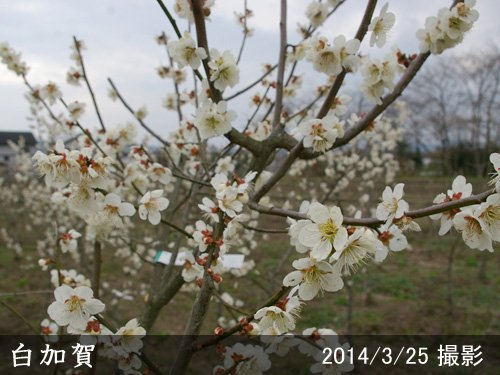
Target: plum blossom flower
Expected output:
[223,69]
[203,235]
[320,134]
[49,329]
[50,92]
[489,215]
[448,28]
[393,238]
[76,110]
[210,208]
[114,209]
[473,230]
[392,205]
[225,165]
[317,13]
[330,59]
[184,52]
[151,204]
[295,228]
[279,319]
[379,76]
[160,173]
[191,269]
[213,119]
[495,160]
[130,336]
[232,195]
[74,307]
[324,232]
[362,245]
[68,277]
[459,189]
[313,277]
[380,26]
[68,241]
[246,359]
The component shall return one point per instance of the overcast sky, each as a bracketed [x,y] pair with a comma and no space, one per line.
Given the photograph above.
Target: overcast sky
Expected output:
[119,35]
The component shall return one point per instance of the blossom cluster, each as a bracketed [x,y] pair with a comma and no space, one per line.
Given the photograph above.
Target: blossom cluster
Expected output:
[447,29]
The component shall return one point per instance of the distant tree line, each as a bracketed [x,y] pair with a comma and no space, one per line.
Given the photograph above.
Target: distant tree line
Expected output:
[455,118]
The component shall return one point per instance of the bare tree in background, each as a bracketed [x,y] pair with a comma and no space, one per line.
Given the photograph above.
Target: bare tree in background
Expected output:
[456,103]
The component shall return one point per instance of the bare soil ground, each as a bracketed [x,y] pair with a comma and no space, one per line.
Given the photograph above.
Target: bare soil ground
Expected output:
[412,292]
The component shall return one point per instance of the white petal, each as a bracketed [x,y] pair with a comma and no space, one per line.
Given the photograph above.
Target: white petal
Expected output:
[143,212]
[293,278]
[154,217]
[63,292]
[94,306]
[309,235]
[126,209]
[398,190]
[308,291]
[318,212]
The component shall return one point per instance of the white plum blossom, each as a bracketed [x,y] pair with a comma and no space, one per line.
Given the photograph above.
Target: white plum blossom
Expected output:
[379,76]
[324,232]
[210,208]
[68,277]
[225,165]
[68,241]
[160,173]
[459,189]
[473,231]
[76,110]
[232,196]
[74,307]
[191,269]
[203,235]
[295,228]
[489,215]
[130,336]
[393,238]
[141,113]
[316,13]
[495,160]
[279,319]
[448,28]
[362,245]
[320,134]
[313,277]
[330,59]
[246,359]
[380,26]
[50,92]
[213,119]
[184,52]
[393,206]
[48,327]
[223,69]
[114,209]
[151,204]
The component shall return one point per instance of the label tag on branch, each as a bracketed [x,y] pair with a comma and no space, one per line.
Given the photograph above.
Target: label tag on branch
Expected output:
[230,261]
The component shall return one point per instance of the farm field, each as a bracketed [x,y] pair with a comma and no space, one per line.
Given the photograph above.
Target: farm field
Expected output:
[415,291]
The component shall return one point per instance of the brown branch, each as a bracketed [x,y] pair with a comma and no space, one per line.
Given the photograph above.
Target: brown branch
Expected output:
[374,222]
[258,80]
[130,109]
[281,66]
[215,339]
[360,34]
[87,82]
